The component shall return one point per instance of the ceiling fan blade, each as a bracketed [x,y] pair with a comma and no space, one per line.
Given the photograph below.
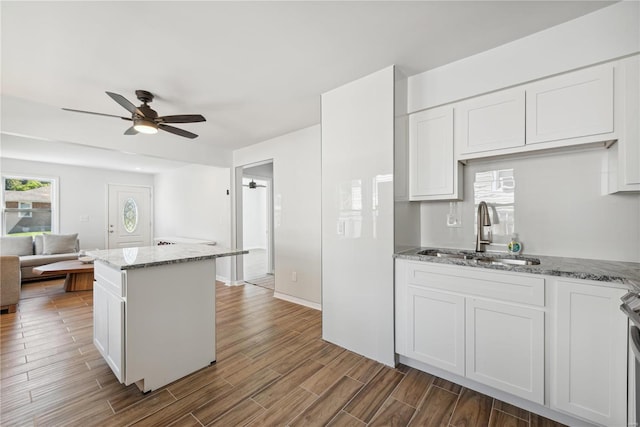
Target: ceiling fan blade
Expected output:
[97,114]
[176,131]
[131,131]
[125,103]
[181,118]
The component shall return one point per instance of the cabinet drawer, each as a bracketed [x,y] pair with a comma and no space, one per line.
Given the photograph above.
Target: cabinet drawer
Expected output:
[112,279]
[502,286]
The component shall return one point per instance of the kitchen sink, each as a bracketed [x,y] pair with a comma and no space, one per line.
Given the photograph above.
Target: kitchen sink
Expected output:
[480,258]
[509,261]
[432,252]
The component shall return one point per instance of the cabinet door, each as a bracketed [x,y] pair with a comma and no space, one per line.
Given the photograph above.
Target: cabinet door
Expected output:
[431,158]
[589,354]
[108,324]
[115,356]
[505,348]
[100,319]
[628,146]
[435,328]
[491,122]
[573,105]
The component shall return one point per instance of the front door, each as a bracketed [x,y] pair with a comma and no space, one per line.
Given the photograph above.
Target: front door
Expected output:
[130,216]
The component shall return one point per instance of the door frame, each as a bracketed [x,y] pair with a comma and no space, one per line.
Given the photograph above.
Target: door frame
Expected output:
[270,246]
[237,217]
[151,212]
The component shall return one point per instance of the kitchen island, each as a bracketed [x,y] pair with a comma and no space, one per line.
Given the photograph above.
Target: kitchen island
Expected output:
[154,311]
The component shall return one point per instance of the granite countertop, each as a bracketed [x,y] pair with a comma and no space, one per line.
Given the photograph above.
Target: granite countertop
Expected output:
[149,256]
[627,273]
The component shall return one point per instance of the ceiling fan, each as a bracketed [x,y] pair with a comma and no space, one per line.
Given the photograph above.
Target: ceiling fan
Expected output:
[145,119]
[253,184]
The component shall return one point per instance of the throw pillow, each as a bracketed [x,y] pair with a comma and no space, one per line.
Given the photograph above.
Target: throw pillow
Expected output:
[17,245]
[59,243]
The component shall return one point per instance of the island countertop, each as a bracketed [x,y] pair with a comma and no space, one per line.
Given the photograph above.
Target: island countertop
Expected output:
[627,273]
[149,256]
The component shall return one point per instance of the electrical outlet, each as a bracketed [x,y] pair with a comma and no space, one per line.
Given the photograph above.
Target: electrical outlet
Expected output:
[294,276]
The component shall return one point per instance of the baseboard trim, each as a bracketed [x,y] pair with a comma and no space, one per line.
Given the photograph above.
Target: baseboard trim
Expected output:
[228,282]
[497,394]
[298,301]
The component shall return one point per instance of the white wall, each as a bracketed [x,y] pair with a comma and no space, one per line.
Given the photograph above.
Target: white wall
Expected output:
[602,35]
[82,193]
[296,186]
[192,202]
[559,209]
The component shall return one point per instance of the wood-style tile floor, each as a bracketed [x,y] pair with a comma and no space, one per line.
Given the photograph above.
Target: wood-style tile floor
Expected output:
[272,369]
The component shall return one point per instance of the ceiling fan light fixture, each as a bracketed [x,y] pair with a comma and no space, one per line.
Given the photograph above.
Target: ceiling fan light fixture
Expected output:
[145,126]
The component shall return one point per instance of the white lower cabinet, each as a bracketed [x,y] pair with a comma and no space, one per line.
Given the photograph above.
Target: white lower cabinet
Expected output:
[453,322]
[108,325]
[505,347]
[497,329]
[156,324]
[589,358]
[436,328]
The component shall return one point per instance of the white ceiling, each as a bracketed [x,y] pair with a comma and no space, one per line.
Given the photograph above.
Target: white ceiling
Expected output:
[255,70]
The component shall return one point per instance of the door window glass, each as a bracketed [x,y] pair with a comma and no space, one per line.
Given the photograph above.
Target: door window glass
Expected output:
[130,215]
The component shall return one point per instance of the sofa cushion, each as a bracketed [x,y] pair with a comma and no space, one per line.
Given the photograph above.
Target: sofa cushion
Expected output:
[58,243]
[38,244]
[16,245]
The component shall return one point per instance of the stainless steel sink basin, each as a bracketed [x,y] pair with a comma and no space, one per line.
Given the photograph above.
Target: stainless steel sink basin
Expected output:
[480,258]
[509,261]
[431,252]
[530,261]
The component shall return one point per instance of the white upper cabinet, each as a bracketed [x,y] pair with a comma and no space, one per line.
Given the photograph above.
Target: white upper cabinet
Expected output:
[572,105]
[579,107]
[624,156]
[491,122]
[433,169]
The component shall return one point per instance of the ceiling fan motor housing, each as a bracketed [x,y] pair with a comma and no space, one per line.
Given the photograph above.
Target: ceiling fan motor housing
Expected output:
[144,96]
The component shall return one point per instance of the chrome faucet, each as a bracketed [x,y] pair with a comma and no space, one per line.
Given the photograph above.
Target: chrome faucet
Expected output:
[483,220]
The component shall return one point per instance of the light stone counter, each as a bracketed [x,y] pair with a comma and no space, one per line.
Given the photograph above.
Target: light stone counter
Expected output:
[148,256]
[627,273]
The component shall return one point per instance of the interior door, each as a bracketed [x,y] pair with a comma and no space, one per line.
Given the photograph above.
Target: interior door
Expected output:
[130,216]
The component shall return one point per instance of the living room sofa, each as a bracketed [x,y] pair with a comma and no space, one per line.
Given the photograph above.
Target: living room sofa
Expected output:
[40,250]
[9,283]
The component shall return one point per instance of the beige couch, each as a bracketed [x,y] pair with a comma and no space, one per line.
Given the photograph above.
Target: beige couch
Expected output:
[9,282]
[40,250]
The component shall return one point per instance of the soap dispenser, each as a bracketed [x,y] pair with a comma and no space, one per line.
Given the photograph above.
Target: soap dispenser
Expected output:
[514,246]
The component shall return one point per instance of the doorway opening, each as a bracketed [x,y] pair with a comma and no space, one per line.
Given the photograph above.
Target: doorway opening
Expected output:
[256,223]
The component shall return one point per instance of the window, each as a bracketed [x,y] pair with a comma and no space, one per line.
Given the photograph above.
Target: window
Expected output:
[28,205]
[130,215]
[25,209]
